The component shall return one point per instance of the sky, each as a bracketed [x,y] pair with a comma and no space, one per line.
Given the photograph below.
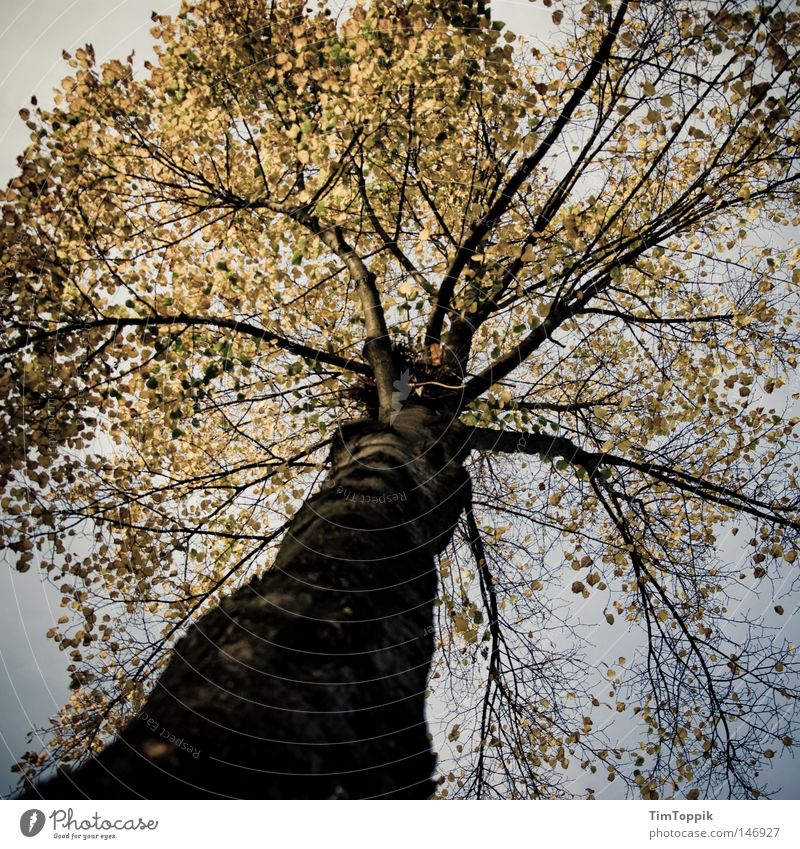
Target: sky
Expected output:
[33,680]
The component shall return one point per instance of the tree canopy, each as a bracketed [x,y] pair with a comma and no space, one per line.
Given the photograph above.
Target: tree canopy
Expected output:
[296,216]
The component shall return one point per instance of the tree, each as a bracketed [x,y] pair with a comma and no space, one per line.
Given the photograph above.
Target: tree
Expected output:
[526,317]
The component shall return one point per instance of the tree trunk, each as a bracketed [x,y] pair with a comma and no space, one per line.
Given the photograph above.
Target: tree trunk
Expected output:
[309,682]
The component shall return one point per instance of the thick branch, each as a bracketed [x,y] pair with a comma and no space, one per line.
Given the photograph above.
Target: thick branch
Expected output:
[485,224]
[29,338]
[562,309]
[322,661]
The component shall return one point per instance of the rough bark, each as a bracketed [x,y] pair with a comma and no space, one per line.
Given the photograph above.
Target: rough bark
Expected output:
[309,682]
